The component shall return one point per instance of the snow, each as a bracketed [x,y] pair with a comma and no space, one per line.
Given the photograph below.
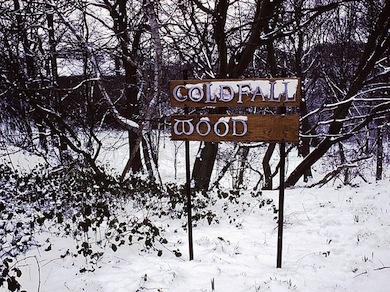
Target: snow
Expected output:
[240,118]
[224,119]
[335,239]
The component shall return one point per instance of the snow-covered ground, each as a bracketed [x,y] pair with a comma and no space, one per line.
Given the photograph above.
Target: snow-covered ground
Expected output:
[336,238]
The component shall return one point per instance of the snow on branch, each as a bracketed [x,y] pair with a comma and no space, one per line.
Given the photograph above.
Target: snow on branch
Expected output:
[355,127]
[127,123]
[354,98]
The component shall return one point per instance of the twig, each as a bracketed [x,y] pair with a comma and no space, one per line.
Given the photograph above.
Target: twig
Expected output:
[39,273]
[304,209]
[365,272]
[38,267]
[381,268]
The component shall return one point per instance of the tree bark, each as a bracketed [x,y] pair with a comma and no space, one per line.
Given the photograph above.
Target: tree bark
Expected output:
[267,168]
[379,154]
[241,168]
[203,165]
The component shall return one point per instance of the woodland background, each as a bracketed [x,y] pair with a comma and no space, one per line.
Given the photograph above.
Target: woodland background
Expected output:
[73,71]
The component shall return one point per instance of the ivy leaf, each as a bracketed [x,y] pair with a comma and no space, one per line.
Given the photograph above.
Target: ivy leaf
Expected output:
[60,218]
[87,210]
[17,271]
[13,285]
[4,273]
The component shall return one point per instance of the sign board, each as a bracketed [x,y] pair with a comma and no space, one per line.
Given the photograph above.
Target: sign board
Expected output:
[238,128]
[274,92]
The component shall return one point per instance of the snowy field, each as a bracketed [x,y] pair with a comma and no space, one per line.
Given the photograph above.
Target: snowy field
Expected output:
[336,238]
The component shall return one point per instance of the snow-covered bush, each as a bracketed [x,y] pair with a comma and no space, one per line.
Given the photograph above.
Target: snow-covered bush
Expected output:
[70,201]
[97,213]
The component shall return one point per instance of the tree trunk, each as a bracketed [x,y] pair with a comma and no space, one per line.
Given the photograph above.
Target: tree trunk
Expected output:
[204,164]
[267,168]
[132,113]
[241,168]
[52,44]
[131,90]
[379,154]
[304,145]
[31,70]
[54,74]
[147,157]
[308,161]
[343,161]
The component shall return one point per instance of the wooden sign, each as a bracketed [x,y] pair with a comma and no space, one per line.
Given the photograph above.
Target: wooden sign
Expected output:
[238,128]
[274,92]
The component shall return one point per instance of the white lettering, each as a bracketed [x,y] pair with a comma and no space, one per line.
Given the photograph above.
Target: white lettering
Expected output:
[226,93]
[177,94]
[196,93]
[239,91]
[210,98]
[183,124]
[217,131]
[237,126]
[258,91]
[207,123]
[242,120]
[241,86]
[287,98]
[272,92]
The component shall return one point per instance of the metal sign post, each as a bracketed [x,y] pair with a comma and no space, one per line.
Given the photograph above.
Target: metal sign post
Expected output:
[281,199]
[188,186]
[188,191]
[281,204]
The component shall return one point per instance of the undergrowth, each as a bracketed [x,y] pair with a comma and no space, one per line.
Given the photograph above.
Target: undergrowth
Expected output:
[96,213]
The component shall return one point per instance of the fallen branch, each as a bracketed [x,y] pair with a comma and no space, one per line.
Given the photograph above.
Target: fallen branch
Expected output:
[381,268]
[328,177]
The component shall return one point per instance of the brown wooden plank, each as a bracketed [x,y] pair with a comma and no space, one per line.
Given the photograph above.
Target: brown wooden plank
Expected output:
[266,128]
[236,92]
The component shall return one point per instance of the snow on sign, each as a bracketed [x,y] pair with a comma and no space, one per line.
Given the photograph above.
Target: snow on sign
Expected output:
[239,128]
[235,93]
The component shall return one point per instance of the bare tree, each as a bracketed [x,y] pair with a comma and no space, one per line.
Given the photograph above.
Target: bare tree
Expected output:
[365,86]
[339,49]
[223,38]
[225,52]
